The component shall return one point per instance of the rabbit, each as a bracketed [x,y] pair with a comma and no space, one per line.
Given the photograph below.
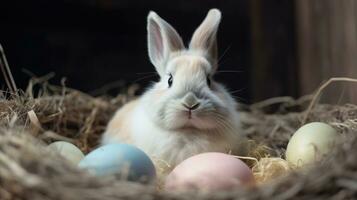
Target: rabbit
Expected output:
[187,112]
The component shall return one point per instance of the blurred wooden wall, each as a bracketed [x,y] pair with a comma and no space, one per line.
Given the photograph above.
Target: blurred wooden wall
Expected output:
[273,60]
[327,47]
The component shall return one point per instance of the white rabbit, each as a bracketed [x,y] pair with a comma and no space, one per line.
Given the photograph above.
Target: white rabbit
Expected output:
[186,112]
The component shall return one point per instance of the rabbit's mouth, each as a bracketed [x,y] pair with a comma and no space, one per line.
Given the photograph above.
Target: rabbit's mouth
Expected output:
[193,120]
[189,114]
[195,125]
[204,117]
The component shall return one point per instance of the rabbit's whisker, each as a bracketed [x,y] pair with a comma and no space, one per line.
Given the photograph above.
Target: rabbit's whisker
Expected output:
[228,71]
[143,78]
[224,53]
[142,73]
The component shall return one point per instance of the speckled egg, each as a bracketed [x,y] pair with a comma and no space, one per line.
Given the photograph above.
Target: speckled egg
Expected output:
[126,160]
[210,171]
[310,143]
[68,151]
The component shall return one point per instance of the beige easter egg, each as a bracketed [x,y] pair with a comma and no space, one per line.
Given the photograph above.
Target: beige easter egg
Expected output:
[67,150]
[310,143]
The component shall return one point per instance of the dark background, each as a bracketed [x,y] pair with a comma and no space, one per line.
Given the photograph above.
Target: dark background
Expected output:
[97,43]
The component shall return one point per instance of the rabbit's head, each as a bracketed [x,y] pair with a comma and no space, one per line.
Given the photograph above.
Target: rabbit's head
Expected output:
[187,97]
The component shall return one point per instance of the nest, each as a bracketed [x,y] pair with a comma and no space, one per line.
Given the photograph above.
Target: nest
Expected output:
[28,122]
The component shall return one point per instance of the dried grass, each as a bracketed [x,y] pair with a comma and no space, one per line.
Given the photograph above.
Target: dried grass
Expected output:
[28,171]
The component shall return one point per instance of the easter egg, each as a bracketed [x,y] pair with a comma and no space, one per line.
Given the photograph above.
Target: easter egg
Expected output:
[126,160]
[211,172]
[67,150]
[310,143]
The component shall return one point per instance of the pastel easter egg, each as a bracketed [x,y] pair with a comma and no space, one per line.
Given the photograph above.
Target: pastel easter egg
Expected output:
[130,162]
[310,143]
[210,171]
[68,151]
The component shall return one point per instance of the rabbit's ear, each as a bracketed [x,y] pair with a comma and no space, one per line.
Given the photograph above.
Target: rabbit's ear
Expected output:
[205,37]
[162,40]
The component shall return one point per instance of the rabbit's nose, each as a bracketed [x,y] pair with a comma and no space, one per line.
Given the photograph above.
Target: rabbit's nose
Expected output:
[193,107]
[190,101]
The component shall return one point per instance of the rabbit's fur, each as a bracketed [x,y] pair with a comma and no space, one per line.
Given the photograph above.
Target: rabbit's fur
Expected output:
[186,112]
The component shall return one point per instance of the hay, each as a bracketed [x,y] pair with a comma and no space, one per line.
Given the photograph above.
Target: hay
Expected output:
[268,169]
[28,122]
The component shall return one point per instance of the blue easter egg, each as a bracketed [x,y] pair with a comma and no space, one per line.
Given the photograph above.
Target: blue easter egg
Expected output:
[128,161]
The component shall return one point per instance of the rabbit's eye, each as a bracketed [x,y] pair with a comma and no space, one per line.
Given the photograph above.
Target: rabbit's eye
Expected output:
[208,81]
[170,80]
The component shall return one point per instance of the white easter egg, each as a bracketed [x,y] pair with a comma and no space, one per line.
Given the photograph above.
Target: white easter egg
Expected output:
[310,143]
[67,150]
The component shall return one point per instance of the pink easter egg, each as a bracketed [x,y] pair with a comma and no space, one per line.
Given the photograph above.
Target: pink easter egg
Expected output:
[210,171]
